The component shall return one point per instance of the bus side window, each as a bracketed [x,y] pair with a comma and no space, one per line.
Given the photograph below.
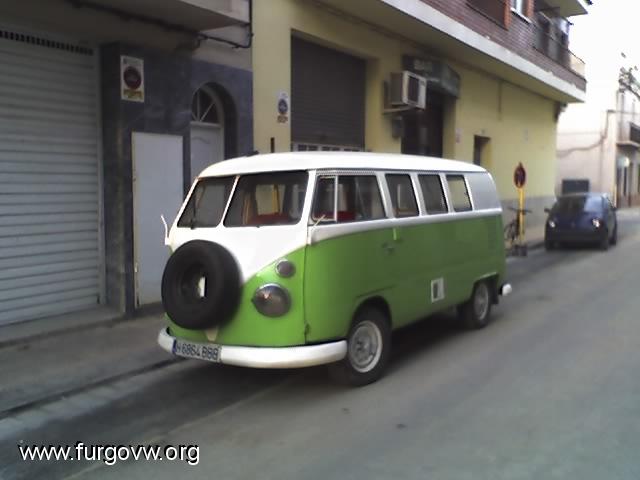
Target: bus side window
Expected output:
[433,193]
[403,198]
[460,200]
[358,199]
[368,200]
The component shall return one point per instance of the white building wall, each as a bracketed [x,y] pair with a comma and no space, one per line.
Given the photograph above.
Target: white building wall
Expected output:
[588,133]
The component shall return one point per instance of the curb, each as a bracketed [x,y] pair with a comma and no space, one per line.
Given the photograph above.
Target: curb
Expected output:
[532,245]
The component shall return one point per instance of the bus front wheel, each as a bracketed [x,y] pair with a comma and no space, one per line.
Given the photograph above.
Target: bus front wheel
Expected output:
[368,349]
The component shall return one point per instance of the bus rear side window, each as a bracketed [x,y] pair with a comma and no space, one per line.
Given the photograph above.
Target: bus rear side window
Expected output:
[460,200]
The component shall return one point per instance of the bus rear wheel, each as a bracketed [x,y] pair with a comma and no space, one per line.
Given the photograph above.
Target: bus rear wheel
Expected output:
[368,349]
[476,311]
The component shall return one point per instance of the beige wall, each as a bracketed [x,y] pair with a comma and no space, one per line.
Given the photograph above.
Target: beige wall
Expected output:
[275,22]
[521,124]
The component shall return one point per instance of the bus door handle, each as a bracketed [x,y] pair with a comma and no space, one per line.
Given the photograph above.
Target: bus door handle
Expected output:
[389,247]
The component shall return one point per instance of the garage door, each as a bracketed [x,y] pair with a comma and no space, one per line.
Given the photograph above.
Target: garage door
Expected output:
[49,249]
[327,97]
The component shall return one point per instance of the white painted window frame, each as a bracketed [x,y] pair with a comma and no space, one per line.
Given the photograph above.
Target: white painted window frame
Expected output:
[519,7]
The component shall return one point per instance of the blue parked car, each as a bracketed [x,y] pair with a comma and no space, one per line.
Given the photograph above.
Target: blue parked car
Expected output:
[581,218]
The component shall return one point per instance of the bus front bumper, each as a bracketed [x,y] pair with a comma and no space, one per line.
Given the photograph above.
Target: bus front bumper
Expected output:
[255,357]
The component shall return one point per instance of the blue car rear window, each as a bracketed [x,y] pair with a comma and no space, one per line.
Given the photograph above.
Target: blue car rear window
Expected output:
[577,205]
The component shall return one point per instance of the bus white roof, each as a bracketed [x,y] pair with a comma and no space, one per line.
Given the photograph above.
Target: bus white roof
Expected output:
[278,162]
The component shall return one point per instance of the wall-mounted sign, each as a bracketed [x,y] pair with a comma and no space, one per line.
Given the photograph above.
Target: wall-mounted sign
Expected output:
[132,79]
[520,176]
[283,107]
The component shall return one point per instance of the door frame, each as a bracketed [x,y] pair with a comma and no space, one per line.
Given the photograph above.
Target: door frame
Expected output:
[136,236]
[209,126]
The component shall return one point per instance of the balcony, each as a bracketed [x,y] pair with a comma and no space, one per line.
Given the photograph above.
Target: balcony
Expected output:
[557,50]
[493,9]
[193,14]
[472,30]
[562,8]
[629,136]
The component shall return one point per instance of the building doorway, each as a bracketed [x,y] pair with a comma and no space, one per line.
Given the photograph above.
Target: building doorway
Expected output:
[423,129]
[328,97]
[481,150]
[207,130]
[51,228]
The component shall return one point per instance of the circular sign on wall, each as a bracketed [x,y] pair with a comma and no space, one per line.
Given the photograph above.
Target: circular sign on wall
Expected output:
[283,107]
[520,176]
[132,78]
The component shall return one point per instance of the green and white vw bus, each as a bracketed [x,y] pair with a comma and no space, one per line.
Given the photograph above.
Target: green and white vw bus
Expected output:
[300,259]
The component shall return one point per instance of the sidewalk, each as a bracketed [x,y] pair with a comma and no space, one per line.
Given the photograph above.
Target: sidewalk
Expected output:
[43,368]
[533,237]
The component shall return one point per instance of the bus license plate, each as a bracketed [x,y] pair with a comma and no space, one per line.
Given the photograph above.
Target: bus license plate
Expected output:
[201,351]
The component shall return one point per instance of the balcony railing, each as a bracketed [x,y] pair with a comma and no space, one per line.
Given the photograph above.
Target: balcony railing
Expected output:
[557,51]
[493,9]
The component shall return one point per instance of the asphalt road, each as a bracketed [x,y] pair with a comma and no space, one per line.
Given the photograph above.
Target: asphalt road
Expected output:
[549,390]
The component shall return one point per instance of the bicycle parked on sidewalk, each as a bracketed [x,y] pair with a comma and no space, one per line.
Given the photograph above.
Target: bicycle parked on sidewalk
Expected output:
[512,233]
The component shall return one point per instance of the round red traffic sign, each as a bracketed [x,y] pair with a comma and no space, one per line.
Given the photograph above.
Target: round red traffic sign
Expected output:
[132,78]
[520,176]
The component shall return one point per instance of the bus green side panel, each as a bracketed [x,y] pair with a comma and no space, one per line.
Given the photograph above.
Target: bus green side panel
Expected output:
[342,272]
[250,328]
[460,252]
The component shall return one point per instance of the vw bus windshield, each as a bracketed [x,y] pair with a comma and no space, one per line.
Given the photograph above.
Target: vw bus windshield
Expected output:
[275,198]
[207,203]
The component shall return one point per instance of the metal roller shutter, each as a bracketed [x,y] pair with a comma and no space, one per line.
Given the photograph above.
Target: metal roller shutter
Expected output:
[49,249]
[327,96]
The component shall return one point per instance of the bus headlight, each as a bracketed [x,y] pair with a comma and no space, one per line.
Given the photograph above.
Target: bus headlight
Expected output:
[596,222]
[551,224]
[272,300]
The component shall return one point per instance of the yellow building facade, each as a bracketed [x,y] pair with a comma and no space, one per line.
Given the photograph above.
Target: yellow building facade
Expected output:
[496,119]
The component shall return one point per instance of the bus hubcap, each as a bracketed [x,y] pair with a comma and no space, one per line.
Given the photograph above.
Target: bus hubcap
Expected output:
[365,347]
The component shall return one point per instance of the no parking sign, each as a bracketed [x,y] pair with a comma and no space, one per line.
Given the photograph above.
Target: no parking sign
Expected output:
[520,176]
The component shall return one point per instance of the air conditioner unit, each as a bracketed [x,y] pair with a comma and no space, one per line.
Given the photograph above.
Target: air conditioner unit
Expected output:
[408,89]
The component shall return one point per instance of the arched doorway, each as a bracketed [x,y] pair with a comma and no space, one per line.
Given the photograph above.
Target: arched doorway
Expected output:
[207,129]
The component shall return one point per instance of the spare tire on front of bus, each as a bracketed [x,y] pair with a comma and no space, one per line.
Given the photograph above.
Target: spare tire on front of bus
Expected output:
[200,285]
